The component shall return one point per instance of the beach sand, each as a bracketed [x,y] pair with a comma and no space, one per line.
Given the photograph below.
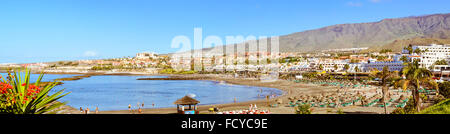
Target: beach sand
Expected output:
[290,89]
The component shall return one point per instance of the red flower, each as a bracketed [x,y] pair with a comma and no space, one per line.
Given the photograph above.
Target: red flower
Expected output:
[4,88]
[24,84]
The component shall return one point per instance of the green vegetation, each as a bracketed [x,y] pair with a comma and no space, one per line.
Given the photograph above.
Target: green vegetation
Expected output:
[381,58]
[385,50]
[440,62]
[19,96]
[320,67]
[346,67]
[173,71]
[444,89]
[415,78]
[354,61]
[440,108]
[103,67]
[12,68]
[290,59]
[404,59]
[303,109]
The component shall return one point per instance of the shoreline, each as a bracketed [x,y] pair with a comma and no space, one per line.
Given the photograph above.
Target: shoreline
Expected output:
[289,88]
[203,108]
[282,85]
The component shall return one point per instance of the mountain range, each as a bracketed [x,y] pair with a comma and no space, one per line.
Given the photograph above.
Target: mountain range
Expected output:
[386,33]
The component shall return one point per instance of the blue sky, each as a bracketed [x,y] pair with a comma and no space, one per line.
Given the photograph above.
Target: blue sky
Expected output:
[54,30]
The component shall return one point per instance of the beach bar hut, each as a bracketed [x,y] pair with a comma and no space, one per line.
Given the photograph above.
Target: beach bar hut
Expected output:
[187,105]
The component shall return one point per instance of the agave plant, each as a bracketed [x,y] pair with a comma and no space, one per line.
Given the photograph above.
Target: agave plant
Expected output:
[19,96]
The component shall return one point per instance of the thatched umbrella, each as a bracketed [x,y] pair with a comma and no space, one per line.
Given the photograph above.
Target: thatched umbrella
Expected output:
[186,100]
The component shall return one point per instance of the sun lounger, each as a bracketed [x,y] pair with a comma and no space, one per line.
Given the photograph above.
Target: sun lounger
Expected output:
[401,105]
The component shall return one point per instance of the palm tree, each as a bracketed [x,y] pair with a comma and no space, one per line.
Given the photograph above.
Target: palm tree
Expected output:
[404,59]
[346,67]
[385,75]
[409,48]
[356,70]
[320,67]
[418,51]
[414,76]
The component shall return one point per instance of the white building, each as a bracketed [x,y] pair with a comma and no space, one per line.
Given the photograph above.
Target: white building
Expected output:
[146,55]
[359,66]
[432,54]
[393,65]
[329,65]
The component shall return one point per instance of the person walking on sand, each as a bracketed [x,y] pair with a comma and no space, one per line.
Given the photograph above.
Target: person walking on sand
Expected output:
[87,110]
[140,110]
[96,110]
[81,109]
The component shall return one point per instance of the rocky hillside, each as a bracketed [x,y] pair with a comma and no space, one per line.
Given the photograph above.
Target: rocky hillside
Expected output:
[368,34]
[398,45]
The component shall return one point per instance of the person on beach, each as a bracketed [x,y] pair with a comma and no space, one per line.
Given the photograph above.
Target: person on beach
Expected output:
[142,104]
[87,110]
[129,107]
[96,110]
[81,109]
[140,110]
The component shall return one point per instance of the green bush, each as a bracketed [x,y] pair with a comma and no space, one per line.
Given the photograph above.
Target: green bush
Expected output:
[19,96]
[303,109]
[440,108]
[167,71]
[444,89]
[340,111]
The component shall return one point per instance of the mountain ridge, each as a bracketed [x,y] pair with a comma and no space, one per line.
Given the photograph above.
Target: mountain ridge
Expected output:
[367,34]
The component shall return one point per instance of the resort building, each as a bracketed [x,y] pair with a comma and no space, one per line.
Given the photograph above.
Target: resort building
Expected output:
[431,54]
[393,65]
[441,72]
[329,65]
[146,55]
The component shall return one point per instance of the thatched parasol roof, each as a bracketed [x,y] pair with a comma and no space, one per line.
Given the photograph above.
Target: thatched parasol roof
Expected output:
[186,100]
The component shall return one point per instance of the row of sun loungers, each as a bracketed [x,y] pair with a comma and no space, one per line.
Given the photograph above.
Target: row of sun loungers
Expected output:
[345,100]
[338,84]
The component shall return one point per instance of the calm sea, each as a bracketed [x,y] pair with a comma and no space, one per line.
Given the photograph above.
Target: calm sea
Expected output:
[117,92]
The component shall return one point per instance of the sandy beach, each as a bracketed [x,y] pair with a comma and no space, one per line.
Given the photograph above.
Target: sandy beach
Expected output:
[291,89]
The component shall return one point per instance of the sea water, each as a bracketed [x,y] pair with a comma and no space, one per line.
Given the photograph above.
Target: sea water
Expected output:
[117,92]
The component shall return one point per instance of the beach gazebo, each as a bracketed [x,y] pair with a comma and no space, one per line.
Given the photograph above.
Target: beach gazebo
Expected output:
[187,105]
